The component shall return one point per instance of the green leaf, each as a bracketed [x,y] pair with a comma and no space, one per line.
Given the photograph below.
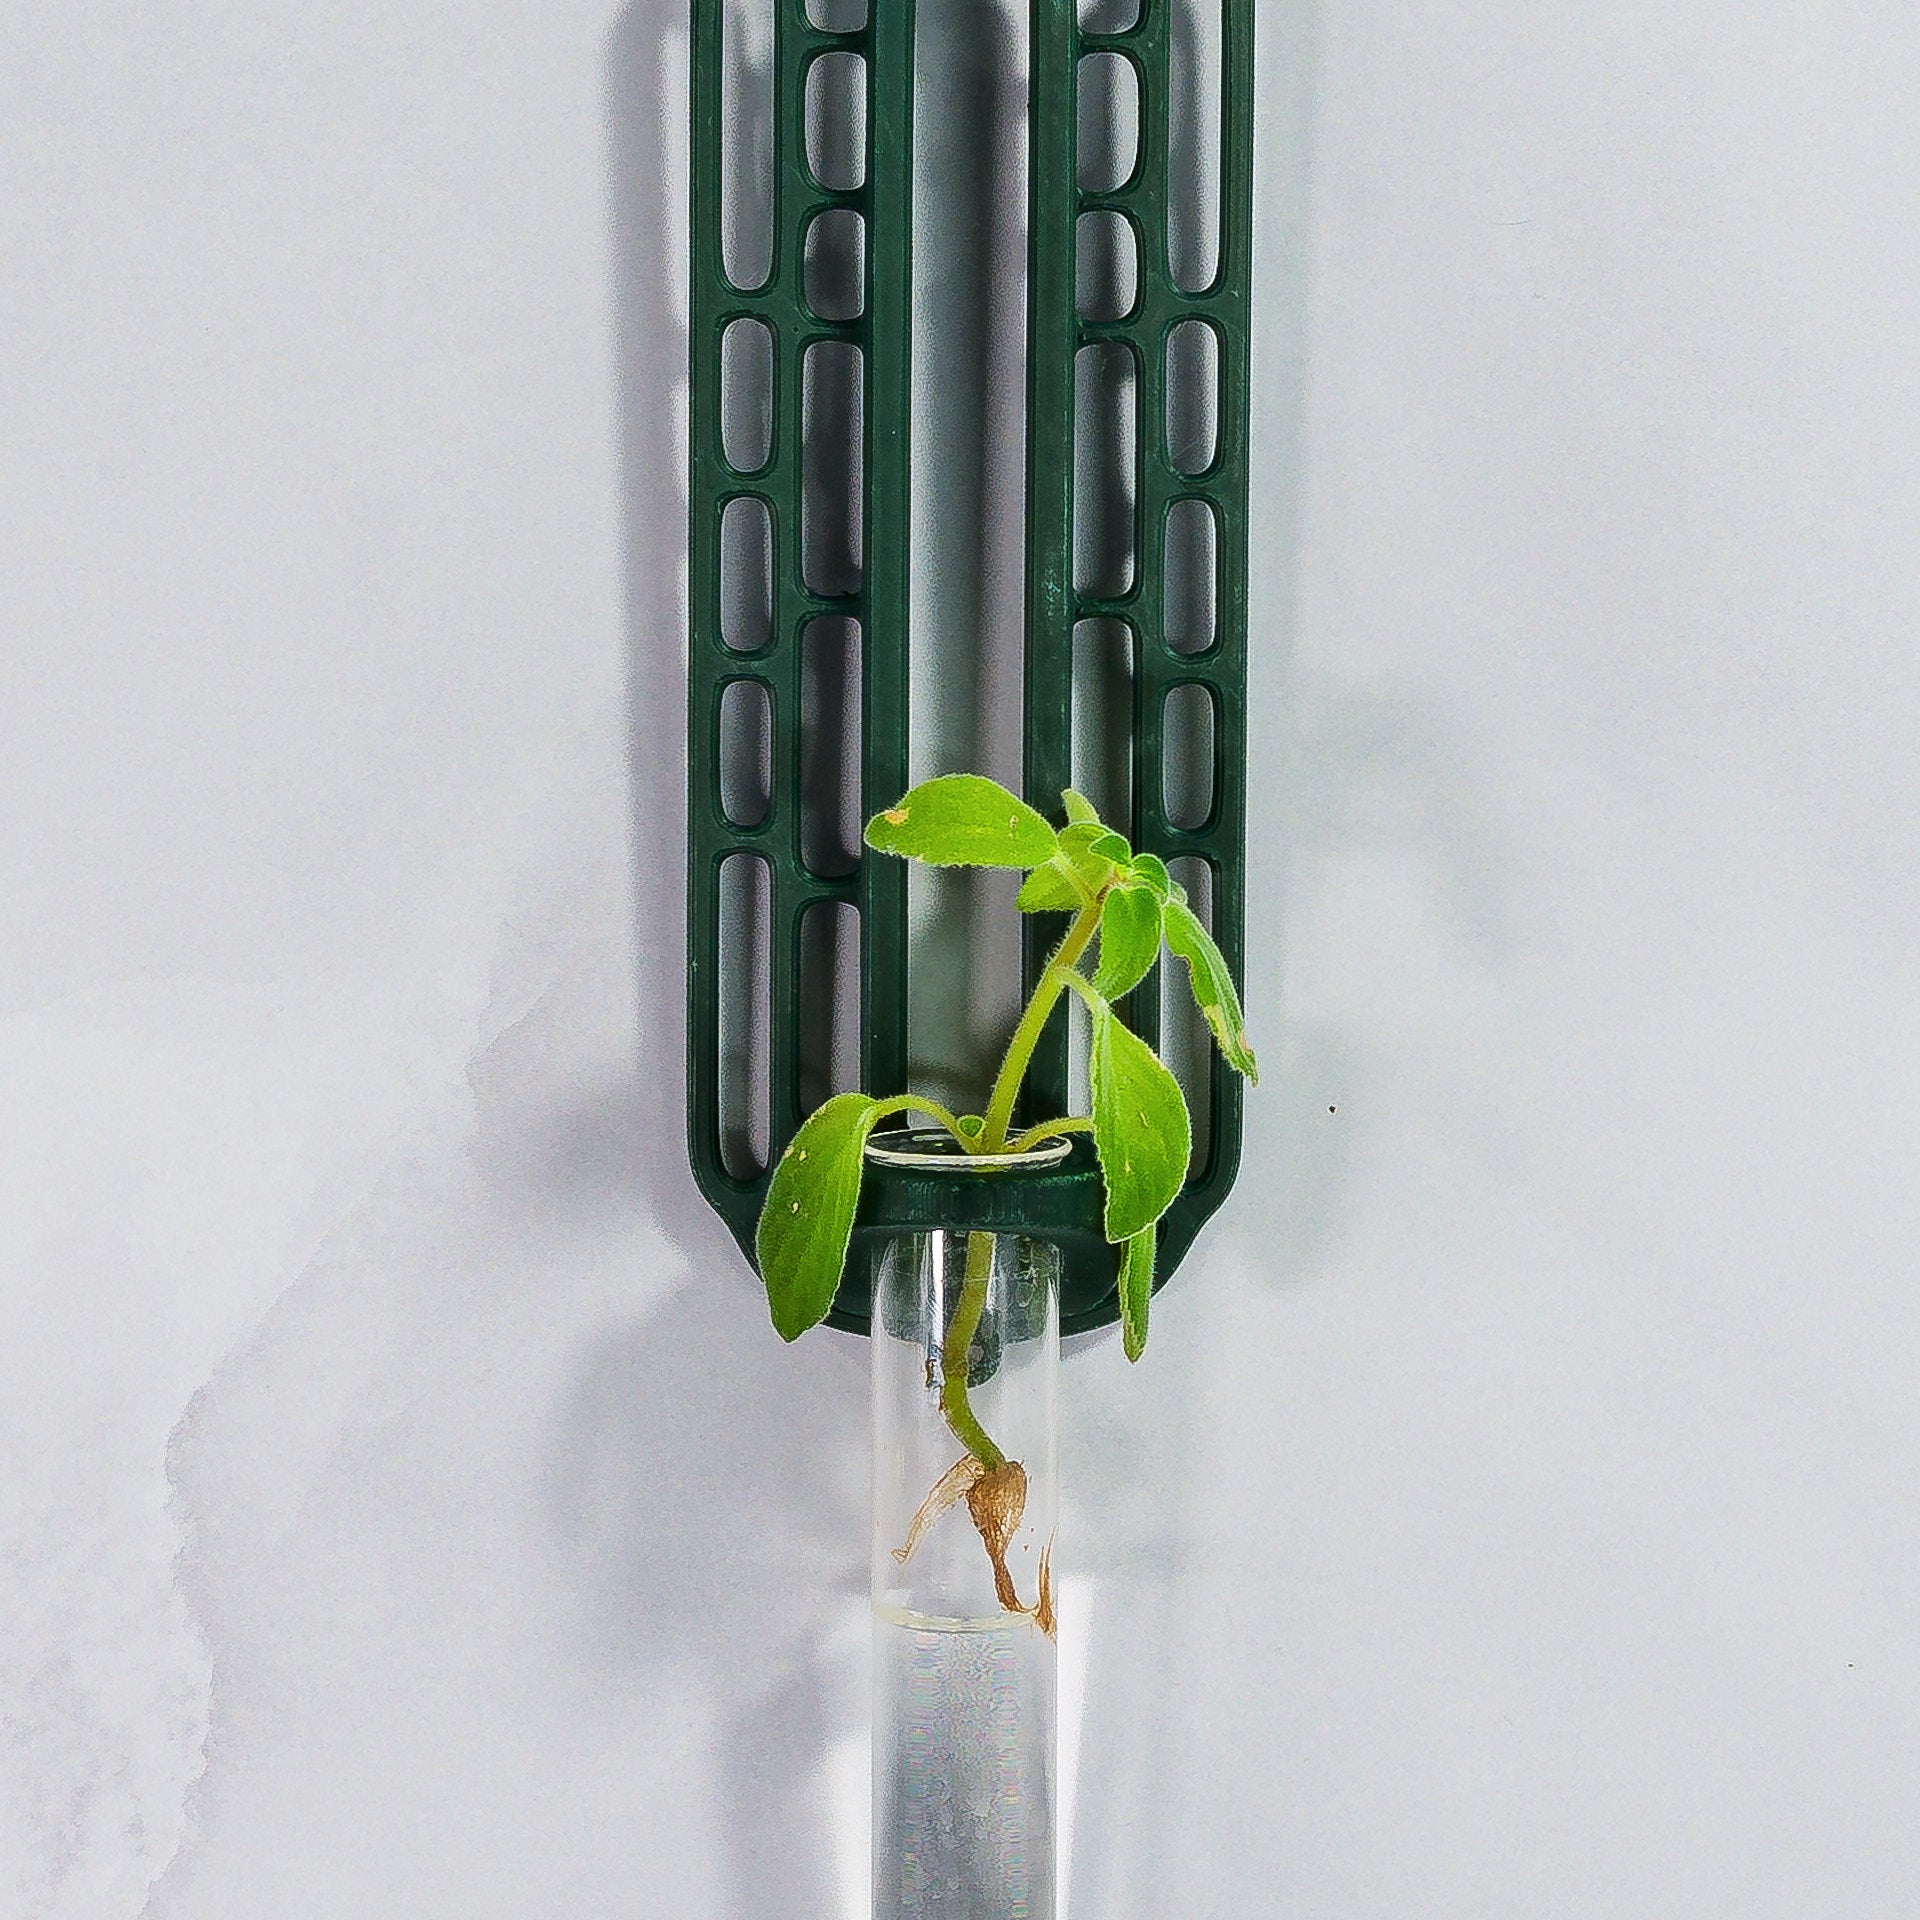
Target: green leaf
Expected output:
[1112,846]
[1136,1290]
[1151,871]
[807,1221]
[1078,849]
[1080,810]
[1140,1127]
[972,1126]
[1129,940]
[1049,890]
[963,820]
[1212,986]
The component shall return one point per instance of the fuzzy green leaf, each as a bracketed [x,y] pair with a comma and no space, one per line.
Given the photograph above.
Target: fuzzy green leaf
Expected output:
[1077,849]
[1136,1290]
[1112,846]
[1129,940]
[963,820]
[1212,986]
[1151,871]
[807,1221]
[1141,1131]
[1079,809]
[1049,890]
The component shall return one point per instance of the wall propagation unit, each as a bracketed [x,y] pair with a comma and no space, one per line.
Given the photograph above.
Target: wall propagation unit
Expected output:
[1138,342]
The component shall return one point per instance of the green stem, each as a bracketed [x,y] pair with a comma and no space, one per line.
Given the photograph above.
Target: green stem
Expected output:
[914,1103]
[1084,988]
[956,1351]
[1051,1130]
[955,1355]
[1026,1036]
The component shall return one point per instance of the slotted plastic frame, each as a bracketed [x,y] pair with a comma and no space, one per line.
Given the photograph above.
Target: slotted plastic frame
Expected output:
[1055,334]
[1062,1205]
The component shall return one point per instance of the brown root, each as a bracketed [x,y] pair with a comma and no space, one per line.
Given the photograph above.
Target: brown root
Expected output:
[997,1500]
[1043,1614]
[957,1481]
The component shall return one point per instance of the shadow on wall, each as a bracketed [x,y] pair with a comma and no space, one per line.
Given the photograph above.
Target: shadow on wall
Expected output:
[710,1484]
[710,1487]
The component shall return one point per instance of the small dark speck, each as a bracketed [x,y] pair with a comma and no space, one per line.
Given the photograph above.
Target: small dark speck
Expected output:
[1333,1109]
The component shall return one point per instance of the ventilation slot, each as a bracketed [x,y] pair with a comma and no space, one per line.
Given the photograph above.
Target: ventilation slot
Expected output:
[835,264]
[1196,52]
[746,142]
[1109,122]
[837,121]
[1106,268]
[830,468]
[830,798]
[1193,396]
[746,753]
[829,1002]
[1191,571]
[746,395]
[1186,774]
[746,573]
[746,1014]
[1102,723]
[1106,446]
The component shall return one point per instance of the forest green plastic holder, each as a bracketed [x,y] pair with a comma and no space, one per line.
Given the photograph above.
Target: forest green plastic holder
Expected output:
[1063,1203]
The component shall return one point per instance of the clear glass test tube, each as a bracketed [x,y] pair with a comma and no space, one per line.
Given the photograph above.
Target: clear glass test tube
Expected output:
[964,1669]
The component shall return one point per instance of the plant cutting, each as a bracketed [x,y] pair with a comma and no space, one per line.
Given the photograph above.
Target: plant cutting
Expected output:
[1124,909]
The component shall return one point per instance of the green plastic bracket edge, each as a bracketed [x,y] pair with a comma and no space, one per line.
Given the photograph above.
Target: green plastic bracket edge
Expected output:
[878,888]
[1063,1205]
[1055,335]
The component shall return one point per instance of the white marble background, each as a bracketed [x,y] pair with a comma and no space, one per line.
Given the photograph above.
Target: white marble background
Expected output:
[404,1509]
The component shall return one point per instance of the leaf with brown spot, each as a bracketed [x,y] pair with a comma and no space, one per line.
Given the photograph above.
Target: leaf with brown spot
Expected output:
[963,820]
[807,1220]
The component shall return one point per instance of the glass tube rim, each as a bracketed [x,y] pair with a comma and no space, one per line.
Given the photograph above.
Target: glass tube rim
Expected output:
[929,1151]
